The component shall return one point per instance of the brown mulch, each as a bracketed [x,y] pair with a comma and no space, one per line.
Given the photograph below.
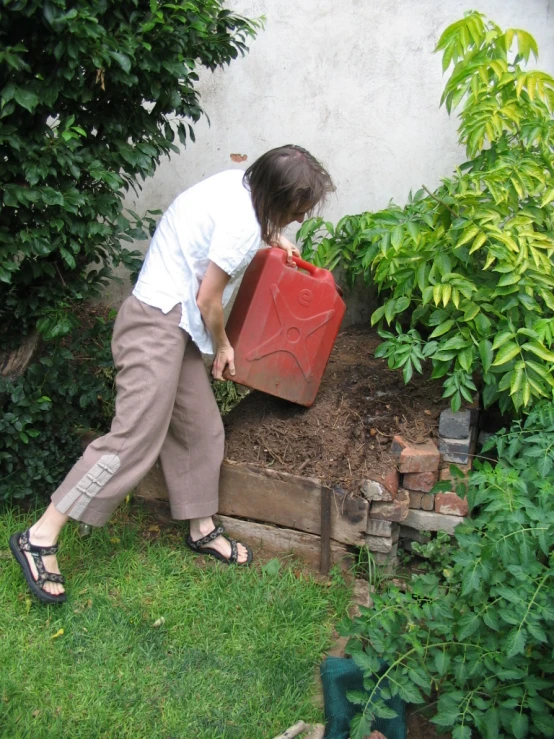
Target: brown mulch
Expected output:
[345,436]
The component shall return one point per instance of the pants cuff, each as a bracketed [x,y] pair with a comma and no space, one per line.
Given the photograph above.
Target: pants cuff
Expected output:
[89,516]
[184,512]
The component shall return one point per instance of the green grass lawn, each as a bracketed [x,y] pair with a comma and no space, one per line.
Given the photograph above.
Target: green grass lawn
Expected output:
[156,642]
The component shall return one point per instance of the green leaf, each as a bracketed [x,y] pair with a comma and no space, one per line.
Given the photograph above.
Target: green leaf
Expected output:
[507,353]
[383,711]
[469,625]
[410,693]
[465,358]
[539,350]
[442,662]
[123,60]
[357,697]
[26,99]
[469,233]
[377,315]
[390,310]
[397,236]
[486,354]
[491,723]
[502,338]
[510,279]
[68,258]
[461,732]
[443,328]
[418,676]
[515,642]
[520,725]
[368,663]
[402,304]
[526,44]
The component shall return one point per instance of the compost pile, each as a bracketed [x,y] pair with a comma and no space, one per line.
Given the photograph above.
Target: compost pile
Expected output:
[345,436]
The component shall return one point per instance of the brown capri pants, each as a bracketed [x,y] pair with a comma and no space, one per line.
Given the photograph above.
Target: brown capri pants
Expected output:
[164,407]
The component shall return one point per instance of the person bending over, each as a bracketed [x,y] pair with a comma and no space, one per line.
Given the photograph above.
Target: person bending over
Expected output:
[164,402]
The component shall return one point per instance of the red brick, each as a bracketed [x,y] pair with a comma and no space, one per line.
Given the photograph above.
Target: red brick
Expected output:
[403,496]
[422,481]
[415,499]
[427,502]
[382,486]
[415,457]
[451,504]
[391,480]
[395,511]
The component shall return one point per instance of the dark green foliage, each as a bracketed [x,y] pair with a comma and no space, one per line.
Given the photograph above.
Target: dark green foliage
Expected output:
[479,633]
[92,95]
[42,414]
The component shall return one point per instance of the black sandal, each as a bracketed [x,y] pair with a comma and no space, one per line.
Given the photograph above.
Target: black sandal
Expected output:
[199,547]
[20,543]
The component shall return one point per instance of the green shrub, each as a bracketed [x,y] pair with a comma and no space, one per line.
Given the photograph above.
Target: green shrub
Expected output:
[92,95]
[480,633]
[466,272]
[70,389]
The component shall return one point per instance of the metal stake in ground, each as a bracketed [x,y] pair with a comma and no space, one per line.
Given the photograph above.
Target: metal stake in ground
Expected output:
[325,530]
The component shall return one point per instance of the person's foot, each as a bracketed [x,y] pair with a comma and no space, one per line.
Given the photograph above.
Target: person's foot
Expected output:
[31,558]
[203,527]
[49,561]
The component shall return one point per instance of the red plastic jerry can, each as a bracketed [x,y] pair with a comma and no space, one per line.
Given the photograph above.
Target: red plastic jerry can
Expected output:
[283,325]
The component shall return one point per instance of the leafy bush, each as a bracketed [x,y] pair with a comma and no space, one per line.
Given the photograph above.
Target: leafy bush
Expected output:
[469,267]
[480,634]
[70,389]
[89,98]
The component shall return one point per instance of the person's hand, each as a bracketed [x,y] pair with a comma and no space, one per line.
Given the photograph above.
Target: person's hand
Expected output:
[281,242]
[225,355]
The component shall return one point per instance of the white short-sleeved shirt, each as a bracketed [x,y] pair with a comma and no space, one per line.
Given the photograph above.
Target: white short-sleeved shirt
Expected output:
[212,221]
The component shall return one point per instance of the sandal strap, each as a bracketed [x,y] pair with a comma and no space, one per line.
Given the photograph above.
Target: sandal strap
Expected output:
[218,531]
[234,551]
[33,549]
[50,576]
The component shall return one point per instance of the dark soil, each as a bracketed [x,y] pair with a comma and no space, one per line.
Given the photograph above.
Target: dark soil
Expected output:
[345,436]
[420,728]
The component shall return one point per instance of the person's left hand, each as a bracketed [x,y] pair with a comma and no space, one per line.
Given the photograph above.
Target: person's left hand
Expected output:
[281,242]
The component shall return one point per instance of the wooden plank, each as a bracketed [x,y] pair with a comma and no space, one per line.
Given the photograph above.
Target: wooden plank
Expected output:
[267,496]
[272,540]
[291,501]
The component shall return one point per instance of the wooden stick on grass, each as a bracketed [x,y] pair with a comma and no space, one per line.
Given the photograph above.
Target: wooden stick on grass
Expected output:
[293,731]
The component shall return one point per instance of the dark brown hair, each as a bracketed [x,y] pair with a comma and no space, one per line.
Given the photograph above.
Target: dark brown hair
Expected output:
[283,182]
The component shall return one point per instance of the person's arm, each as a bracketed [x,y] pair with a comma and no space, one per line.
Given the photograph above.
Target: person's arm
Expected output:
[281,242]
[209,302]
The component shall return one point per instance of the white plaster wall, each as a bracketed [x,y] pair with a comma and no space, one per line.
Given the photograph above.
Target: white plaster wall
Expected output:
[353,81]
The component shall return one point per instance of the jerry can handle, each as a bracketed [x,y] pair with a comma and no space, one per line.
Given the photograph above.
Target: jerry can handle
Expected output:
[312,269]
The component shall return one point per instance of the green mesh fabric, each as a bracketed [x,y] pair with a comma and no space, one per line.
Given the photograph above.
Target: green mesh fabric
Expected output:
[340,675]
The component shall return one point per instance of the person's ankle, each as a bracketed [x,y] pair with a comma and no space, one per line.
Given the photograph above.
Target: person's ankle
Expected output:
[39,536]
[202,527]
